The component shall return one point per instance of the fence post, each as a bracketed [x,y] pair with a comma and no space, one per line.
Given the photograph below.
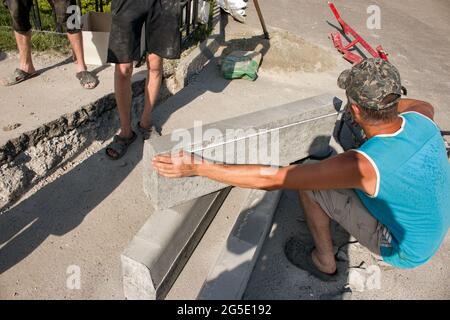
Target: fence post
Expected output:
[36,15]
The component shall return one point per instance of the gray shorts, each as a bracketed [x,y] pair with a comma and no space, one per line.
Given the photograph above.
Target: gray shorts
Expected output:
[345,207]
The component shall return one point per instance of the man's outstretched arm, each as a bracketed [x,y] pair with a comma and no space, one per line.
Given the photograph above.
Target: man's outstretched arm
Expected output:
[347,170]
[422,107]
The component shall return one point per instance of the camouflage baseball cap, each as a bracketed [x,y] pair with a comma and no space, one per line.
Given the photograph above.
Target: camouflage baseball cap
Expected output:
[370,81]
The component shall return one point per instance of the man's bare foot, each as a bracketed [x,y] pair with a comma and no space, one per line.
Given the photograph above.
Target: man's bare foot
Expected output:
[326,264]
[28,68]
[91,82]
[18,76]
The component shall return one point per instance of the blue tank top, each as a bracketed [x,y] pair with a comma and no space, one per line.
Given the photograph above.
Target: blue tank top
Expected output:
[412,197]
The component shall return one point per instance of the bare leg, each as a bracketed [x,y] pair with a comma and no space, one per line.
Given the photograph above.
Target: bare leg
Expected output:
[122,86]
[123,93]
[23,41]
[319,226]
[153,84]
[76,41]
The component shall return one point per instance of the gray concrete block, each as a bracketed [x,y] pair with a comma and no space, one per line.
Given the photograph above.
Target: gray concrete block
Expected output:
[158,252]
[273,136]
[228,278]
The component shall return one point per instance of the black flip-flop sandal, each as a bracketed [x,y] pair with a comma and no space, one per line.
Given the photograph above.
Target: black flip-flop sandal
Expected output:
[18,76]
[120,146]
[87,77]
[300,255]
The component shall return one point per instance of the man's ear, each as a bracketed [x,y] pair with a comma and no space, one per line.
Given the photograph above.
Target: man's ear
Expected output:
[356,112]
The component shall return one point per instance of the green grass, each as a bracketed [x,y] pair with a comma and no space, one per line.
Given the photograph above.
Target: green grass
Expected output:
[39,41]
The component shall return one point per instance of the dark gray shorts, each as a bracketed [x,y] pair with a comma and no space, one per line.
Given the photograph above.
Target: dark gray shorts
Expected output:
[20,13]
[162,29]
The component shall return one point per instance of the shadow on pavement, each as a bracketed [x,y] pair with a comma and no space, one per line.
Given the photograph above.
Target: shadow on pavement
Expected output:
[56,65]
[62,205]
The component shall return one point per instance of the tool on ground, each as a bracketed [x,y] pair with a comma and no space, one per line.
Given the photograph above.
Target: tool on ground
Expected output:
[347,50]
[239,17]
[261,19]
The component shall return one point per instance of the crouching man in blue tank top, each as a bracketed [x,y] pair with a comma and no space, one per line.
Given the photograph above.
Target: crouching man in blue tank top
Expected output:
[392,194]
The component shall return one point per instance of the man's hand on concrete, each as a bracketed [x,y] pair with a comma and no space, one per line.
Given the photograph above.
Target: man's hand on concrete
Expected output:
[176,165]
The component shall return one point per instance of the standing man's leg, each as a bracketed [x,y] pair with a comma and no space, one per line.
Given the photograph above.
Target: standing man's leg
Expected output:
[76,41]
[128,17]
[123,93]
[122,88]
[161,18]
[153,85]
[23,41]
[87,79]
[162,41]
[20,16]
[319,226]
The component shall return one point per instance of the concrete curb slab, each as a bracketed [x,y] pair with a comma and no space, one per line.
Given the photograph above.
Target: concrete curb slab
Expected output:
[275,136]
[158,252]
[228,278]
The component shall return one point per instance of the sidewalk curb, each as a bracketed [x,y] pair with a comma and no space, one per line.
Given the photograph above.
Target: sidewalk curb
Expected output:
[229,276]
[155,257]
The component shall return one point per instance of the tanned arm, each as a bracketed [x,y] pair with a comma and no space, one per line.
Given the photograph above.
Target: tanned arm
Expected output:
[347,170]
[422,107]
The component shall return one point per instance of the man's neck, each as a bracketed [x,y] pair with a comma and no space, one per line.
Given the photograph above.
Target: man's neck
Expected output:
[372,130]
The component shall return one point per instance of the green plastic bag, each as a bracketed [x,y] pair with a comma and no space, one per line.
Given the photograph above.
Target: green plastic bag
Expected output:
[241,65]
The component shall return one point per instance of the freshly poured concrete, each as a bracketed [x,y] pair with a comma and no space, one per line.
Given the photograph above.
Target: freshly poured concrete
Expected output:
[229,276]
[274,136]
[158,252]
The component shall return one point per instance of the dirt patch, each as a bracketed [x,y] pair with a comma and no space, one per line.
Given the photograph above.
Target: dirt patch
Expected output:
[284,52]
[11,127]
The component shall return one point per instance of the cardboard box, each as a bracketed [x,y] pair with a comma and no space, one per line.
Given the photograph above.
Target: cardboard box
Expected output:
[96,27]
